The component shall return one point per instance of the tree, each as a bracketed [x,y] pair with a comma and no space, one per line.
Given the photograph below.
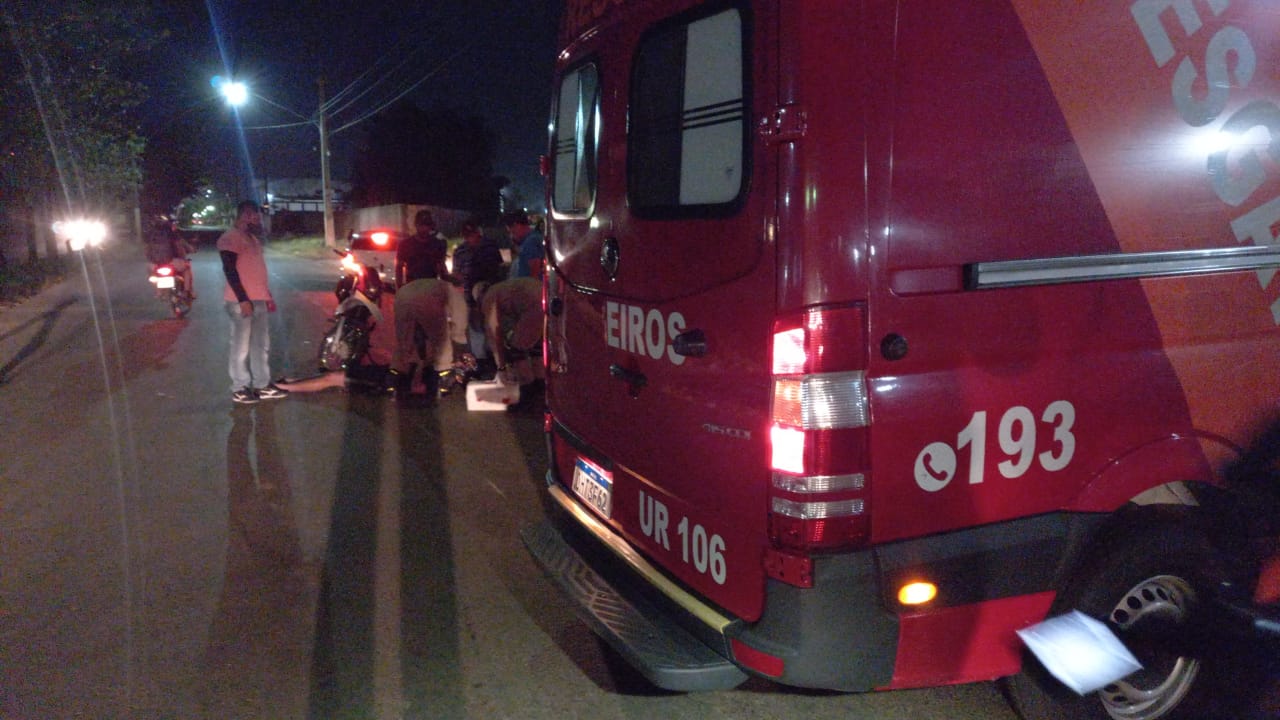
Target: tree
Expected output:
[207,206]
[171,170]
[410,155]
[69,140]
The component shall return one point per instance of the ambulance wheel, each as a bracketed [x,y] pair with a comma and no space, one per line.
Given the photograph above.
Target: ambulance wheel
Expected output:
[1147,587]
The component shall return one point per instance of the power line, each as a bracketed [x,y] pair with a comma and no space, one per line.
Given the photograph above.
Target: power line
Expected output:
[351,87]
[330,107]
[406,90]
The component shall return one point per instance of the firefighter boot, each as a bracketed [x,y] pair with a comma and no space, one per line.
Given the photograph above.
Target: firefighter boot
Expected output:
[400,384]
[431,380]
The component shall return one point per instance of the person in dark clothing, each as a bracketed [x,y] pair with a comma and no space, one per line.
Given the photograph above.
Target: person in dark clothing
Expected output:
[477,260]
[421,255]
[165,245]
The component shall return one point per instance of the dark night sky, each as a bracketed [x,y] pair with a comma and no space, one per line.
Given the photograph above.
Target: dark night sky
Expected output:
[492,58]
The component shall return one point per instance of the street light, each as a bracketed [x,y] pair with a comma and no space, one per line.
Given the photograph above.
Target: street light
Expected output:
[237,94]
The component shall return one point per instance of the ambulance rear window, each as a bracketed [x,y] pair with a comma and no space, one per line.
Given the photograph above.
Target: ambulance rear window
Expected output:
[575,134]
[687,123]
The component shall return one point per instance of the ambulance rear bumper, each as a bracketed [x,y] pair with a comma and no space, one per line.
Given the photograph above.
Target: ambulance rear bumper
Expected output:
[645,634]
[834,636]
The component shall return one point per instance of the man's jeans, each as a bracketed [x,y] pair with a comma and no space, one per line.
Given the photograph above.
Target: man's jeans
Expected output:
[250,345]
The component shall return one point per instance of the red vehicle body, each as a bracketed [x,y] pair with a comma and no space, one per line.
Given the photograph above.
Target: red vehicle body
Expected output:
[844,297]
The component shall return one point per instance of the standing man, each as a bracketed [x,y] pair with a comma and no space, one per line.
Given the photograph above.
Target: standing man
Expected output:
[422,306]
[248,300]
[528,240]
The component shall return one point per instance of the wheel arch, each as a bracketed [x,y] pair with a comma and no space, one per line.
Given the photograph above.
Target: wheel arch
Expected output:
[1161,472]
[1169,480]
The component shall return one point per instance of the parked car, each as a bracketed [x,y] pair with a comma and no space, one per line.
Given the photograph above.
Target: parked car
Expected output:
[376,249]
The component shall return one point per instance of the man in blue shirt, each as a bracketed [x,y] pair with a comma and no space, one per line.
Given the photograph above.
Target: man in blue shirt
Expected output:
[530,255]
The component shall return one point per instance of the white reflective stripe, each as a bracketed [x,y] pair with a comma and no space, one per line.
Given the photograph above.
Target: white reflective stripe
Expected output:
[818,510]
[818,483]
[826,401]
[1120,266]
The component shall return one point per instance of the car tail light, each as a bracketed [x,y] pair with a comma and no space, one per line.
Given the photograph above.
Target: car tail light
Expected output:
[818,438]
[380,238]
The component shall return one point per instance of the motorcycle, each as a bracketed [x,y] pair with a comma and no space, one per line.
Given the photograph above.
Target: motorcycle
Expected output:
[359,292]
[171,286]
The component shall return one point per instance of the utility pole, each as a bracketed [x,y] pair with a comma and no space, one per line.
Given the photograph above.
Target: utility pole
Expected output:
[326,187]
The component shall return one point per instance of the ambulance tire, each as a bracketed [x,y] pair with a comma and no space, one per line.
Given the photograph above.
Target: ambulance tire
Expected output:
[1156,572]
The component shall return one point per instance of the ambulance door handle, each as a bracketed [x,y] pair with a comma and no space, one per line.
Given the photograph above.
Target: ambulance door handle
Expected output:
[691,343]
[633,378]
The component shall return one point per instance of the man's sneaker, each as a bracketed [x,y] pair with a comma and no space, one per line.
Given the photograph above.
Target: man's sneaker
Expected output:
[271,392]
[244,396]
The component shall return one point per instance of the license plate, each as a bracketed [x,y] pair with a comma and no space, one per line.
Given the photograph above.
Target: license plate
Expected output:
[594,485]
[164,283]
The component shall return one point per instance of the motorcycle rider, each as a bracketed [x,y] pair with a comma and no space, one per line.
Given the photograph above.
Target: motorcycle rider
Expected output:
[166,246]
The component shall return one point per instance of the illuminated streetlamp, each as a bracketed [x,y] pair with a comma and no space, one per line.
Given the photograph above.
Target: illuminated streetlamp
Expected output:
[237,94]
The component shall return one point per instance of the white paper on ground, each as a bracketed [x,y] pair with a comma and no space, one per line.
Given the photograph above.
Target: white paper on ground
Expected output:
[1080,651]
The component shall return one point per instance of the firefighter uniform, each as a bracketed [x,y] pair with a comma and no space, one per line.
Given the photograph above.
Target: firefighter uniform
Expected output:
[422,305]
[513,321]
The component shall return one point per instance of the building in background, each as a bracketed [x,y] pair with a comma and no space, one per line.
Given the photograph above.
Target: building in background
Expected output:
[296,205]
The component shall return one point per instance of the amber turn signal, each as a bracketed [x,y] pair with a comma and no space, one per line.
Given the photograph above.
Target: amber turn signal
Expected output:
[917,593]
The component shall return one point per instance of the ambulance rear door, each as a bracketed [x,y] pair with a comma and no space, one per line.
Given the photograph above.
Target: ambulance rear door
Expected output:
[661,288]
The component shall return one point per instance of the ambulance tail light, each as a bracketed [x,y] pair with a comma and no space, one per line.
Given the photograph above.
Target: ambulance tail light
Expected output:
[818,437]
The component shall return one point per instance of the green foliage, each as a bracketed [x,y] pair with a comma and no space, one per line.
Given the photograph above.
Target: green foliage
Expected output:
[66,106]
[18,281]
[208,207]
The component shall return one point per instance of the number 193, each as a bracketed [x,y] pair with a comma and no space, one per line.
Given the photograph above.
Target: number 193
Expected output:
[936,465]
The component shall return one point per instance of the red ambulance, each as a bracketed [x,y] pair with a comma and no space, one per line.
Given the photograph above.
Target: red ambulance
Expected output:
[877,331]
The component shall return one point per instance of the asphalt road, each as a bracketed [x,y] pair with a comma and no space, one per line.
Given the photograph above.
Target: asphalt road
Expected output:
[167,554]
